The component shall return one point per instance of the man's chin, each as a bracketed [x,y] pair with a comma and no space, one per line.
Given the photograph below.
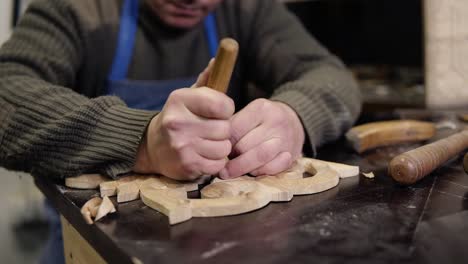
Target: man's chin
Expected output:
[182,22]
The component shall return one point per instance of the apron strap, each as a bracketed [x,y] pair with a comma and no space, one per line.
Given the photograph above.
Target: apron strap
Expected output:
[126,41]
[211,34]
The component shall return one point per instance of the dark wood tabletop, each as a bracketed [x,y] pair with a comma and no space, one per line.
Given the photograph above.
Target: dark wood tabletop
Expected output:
[361,220]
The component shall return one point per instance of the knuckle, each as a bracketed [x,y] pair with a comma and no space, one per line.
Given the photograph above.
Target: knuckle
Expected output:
[234,132]
[288,162]
[227,148]
[192,176]
[215,167]
[231,106]
[172,122]
[178,145]
[190,167]
[240,148]
[263,156]
[263,104]
[267,151]
[177,95]
[216,107]
[224,130]
[219,105]
[279,169]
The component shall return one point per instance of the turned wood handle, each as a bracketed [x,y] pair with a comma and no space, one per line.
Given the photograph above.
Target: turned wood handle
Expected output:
[384,133]
[411,166]
[224,65]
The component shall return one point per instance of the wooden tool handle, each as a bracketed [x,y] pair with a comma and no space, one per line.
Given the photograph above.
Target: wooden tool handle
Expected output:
[413,165]
[384,133]
[224,65]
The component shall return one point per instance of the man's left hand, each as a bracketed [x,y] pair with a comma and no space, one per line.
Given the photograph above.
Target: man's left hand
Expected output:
[267,136]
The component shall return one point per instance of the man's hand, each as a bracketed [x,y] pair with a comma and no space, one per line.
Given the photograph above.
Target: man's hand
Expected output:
[189,137]
[266,136]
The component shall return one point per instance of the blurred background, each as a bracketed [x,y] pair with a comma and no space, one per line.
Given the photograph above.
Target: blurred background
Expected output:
[23,226]
[380,40]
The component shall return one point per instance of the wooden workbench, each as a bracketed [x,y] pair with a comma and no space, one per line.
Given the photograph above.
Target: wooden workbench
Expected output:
[361,220]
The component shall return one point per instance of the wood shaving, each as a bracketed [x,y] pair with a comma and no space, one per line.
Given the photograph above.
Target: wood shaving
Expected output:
[369,175]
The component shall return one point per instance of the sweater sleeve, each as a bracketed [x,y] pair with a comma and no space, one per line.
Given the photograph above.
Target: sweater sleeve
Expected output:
[46,128]
[292,66]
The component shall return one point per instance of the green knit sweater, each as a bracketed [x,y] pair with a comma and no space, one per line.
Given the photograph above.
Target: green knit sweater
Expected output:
[55,117]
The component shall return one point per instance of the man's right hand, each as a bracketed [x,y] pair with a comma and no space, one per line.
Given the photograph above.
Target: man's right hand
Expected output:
[189,137]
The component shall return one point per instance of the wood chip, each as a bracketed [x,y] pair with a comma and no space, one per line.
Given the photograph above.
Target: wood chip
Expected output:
[90,208]
[105,208]
[369,175]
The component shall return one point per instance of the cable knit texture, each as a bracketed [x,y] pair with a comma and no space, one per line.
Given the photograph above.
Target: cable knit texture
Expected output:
[57,121]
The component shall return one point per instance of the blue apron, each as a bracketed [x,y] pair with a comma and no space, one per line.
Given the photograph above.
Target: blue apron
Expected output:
[148,95]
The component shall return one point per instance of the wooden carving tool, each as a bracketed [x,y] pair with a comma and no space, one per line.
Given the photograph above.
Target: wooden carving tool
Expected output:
[411,166]
[224,65]
[384,133]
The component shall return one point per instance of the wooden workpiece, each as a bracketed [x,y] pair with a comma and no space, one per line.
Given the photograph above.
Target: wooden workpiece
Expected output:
[171,202]
[343,170]
[85,181]
[221,197]
[128,191]
[244,194]
[385,133]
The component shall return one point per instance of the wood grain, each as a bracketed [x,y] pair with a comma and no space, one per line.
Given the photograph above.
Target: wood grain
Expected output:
[221,197]
[128,191]
[76,248]
[241,195]
[343,170]
[171,202]
[384,133]
[225,61]
[86,181]
[225,206]
[411,166]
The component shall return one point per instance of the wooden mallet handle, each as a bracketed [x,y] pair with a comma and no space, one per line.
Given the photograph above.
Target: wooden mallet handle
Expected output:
[411,166]
[224,65]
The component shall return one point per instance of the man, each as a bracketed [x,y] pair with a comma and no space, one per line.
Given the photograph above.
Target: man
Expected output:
[68,63]
[67,59]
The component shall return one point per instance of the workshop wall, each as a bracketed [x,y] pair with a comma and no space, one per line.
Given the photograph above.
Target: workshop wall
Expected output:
[389,31]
